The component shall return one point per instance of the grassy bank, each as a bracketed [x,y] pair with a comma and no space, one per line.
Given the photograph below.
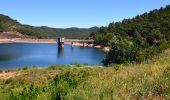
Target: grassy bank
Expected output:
[149,80]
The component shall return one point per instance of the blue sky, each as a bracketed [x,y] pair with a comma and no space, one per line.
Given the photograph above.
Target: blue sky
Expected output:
[76,13]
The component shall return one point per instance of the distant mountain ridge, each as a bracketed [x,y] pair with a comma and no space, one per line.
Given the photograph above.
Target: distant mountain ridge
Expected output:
[8,24]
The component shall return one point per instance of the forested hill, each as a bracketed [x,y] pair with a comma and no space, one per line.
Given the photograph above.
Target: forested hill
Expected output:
[8,24]
[136,39]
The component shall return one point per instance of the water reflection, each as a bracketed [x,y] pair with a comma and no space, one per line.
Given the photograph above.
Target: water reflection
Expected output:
[6,57]
[72,48]
[60,52]
[17,55]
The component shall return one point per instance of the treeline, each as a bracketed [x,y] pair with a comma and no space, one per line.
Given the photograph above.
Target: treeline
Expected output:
[136,39]
[8,24]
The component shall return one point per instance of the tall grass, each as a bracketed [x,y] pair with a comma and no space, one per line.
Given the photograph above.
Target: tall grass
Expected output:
[148,80]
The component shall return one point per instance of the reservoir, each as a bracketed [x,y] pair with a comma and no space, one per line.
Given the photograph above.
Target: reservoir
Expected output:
[18,55]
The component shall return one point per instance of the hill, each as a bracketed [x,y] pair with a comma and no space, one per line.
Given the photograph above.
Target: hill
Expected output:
[136,39]
[8,24]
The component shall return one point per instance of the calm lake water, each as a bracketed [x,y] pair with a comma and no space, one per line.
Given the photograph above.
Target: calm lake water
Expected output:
[15,55]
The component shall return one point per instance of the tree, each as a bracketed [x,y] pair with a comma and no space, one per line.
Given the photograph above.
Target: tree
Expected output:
[1,28]
[111,27]
[103,30]
[155,37]
[138,38]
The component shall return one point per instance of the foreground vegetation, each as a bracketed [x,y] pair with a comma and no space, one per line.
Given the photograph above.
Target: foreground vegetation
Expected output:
[148,80]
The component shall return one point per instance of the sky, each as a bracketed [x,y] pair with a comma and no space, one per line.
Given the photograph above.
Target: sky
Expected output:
[76,13]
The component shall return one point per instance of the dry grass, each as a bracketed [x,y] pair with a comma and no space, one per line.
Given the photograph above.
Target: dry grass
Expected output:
[149,80]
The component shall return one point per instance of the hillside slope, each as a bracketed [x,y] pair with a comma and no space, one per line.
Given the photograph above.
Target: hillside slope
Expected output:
[136,39]
[8,24]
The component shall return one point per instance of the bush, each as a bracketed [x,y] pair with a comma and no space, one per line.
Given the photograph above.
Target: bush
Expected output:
[77,64]
[57,67]
[1,71]
[8,81]
[65,83]
[25,68]
[117,66]
[29,93]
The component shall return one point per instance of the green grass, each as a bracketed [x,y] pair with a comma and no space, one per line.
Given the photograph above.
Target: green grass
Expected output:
[148,80]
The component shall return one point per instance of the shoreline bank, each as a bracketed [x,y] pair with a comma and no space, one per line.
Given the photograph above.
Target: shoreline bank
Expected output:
[51,41]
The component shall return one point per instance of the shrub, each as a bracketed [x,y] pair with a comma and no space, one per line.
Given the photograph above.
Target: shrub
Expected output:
[1,71]
[65,83]
[28,93]
[57,67]
[75,64]
[117,66]
[8,81]
[25,68]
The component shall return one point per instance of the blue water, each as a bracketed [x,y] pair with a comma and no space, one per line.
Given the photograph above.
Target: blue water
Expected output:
[15,55]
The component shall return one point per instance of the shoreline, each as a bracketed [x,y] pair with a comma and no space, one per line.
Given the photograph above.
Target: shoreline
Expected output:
[51,41]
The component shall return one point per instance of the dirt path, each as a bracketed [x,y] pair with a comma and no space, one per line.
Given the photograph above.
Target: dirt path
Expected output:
[8,75]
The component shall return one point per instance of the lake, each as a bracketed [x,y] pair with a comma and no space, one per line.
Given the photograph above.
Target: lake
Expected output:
[18,55]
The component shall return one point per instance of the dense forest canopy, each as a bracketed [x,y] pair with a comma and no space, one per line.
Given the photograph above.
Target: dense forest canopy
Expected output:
[136,39]
[8,24]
